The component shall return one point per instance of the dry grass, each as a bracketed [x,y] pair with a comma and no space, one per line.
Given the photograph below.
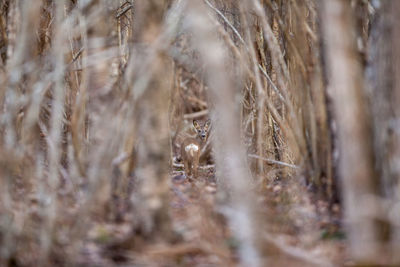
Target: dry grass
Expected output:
[96,97]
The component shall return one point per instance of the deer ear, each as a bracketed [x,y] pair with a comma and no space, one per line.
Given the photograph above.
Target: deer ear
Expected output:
[208,123]
[196,124]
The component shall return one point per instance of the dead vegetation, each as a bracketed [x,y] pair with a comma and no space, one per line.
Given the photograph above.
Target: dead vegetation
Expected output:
[301,165]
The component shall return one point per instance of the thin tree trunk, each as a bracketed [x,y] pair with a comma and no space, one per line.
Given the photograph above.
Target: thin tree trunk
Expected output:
[233,174]
[151,124]
[355,141]
[382,73]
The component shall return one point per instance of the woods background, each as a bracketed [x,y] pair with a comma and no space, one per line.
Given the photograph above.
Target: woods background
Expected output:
[302,165]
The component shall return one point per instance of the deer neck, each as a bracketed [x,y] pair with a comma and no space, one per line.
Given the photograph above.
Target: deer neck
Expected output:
[201,141]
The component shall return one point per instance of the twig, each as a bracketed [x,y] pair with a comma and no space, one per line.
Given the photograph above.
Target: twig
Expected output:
[120,159]
[75,57]
[272,161]
[226,21]
[124,10]
[296,253]
[177,165]
[196,114]
[205,167]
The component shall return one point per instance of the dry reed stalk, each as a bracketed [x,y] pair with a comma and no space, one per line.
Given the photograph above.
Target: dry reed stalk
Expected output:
[87,139]
[261,97]
[56,120]
[283,78]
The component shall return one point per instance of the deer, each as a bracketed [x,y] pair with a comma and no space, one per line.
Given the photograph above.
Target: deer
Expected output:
[191,148]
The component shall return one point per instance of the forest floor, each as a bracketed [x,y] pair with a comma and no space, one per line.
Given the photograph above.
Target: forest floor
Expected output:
[298,230]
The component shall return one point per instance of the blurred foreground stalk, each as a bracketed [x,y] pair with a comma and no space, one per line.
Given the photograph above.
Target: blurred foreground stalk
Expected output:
[357,175]
[233,174]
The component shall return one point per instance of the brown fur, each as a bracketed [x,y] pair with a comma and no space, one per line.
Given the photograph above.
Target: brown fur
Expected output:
[189,154]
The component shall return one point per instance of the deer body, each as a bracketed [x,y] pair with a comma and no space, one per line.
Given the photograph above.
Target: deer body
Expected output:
[191,148]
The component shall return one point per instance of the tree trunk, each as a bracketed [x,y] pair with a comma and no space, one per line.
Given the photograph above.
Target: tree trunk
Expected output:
[151,123]
[345,78]
[383,78]
[233,174]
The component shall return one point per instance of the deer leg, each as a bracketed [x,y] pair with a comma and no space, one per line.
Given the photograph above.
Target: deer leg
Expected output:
[186,167]
[195,166]
[192,169]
